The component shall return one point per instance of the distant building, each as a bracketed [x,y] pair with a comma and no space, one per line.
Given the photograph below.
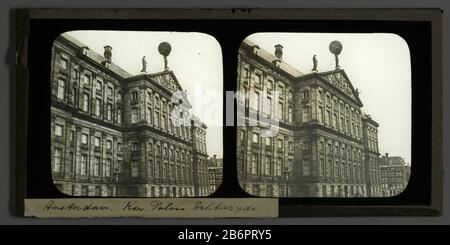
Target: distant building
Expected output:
[394,174]
[215,171]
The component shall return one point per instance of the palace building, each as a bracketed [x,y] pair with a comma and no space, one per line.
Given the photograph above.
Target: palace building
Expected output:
[325,145]
[112,133]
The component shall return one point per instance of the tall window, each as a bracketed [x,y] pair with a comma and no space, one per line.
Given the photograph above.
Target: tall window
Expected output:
[108,167]
[84,139]
[98,86]
[149,115]
[163,122]
[97,142]
[269,106]
[97,166]
[268,141]
[98,103]
[305,94]
[157,120]
[268,167]
[58,130]
[110,91]
[119,115]
[134,169]
[280,111]
[278,167]
[109,112]
[258,79]
[83,167]
[57,161]
[255,101]
[61,88]
[269,84]
[255,138]
[64,64]
[320,114]
[306,167]
[254,163]
[305,114]
[281,90]
[280,144]
[290,114]
[134,115]
[108,145]
[86,102]
[134,95]
[134,146]
[86,80]
[334,121]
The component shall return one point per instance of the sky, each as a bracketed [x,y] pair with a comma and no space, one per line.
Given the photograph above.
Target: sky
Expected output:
[378,64]
[195,59]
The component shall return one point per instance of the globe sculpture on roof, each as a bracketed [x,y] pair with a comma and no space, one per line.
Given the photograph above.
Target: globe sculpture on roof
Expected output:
[336,48]
[164,49]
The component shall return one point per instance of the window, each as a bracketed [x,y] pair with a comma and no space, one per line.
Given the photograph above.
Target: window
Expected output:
[320,115]
[281,90]
[64,64]
[108,167]
[61,88]
[134,146]
[290,114]
[277,170]
[305,94]
[84,139]
[84,190]
[108,145]
[305,115]
[258,79]
[268,141]
[280,111]
[306,167]
[109,112]
[83,167]
[57,161]
[86,102]
[269,106]
[134,115]
[110,91]
[280,143]
[254,163]
[98,103]
[97,142]
[86,80]
[58,130]
[163,122]
[119,147]
[96,166]
[269,84]
[157,120]
[306,145]
[134,95]
[71,135]
[334,121]
[134,169]
[327,118]
[150,98]
[98,86]
[255,138]
[149,115]
[119,115]
[268,167]
[255,101]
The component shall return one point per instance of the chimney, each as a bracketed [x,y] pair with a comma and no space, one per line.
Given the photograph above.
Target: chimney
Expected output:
[386,154]
[108,53]
[279,51]
[214,156]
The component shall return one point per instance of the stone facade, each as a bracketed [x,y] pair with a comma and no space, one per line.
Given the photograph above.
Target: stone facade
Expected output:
[319,150]
[394,174]
[113,133]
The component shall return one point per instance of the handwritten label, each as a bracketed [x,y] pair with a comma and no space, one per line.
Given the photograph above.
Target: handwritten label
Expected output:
[152,207]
